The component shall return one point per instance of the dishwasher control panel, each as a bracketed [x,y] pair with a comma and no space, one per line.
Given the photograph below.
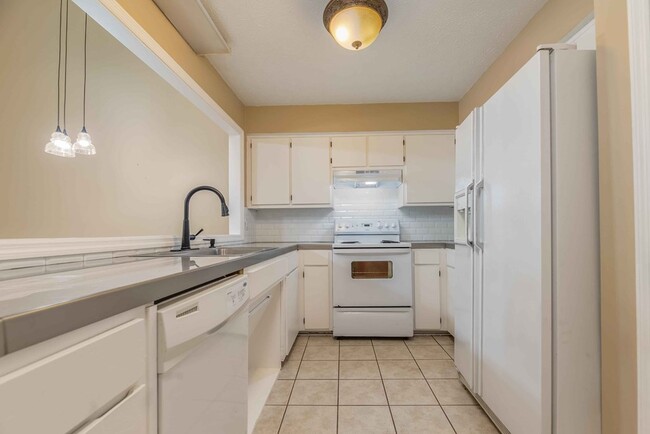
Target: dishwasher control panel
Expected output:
[190,315]
[237,296]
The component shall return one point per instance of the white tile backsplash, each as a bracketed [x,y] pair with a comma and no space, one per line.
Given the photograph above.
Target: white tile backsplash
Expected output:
[317,225]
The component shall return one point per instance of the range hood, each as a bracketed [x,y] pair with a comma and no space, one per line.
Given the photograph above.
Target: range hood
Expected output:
[386,178]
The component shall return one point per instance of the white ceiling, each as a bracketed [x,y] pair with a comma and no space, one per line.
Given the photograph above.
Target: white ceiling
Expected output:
[429,50]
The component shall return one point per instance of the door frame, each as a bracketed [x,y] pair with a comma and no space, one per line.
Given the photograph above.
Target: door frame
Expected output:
[639,42]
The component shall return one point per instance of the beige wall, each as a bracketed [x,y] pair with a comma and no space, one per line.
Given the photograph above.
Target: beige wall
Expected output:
[554,21]
[616,219]
[154,22]
[153,145]
[351,117]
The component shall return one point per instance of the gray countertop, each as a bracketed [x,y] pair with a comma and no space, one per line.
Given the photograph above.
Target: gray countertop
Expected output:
[34,309]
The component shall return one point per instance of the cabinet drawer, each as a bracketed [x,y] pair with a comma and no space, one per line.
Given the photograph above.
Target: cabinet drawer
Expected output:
[58,393]
[426,256]
[129,416]
[315,257]
[262,276]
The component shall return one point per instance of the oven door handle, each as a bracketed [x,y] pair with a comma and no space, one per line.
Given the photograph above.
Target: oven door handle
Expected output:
[372,252]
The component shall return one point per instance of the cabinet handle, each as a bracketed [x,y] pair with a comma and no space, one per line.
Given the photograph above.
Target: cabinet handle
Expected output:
[469,213]
[478,218]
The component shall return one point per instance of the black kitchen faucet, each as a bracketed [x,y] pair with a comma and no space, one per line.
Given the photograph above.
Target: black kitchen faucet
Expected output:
[186,238]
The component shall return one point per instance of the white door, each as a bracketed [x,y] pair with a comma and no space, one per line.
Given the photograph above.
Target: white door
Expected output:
[318,304]
[270,171]
[427,296]
[429,174]
[385,151]
[349,151]
[292,311]
[516,330]
[310,171]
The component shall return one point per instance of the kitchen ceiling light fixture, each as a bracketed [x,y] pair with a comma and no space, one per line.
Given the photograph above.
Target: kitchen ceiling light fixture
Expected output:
[84,144]
[355,24]
[60,143]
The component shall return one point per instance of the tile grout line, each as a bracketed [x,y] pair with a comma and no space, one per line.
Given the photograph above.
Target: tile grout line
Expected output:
[430,388]
[338,387]
[381,377]
[286,407]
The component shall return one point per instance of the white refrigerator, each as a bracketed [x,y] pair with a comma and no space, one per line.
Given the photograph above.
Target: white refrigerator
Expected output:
[527,298]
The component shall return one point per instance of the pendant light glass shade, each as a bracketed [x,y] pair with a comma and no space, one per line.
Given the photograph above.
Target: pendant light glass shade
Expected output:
[60,145]
[355,24]
[84,144]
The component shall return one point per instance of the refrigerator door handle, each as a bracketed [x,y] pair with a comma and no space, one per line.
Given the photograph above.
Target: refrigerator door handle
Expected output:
[478,218]
[469,232]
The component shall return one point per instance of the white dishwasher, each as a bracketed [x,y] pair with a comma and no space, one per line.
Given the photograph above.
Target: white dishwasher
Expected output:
[203,360]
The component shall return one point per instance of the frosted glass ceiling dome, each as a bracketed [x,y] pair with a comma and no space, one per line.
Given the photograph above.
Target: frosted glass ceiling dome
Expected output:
[355,24]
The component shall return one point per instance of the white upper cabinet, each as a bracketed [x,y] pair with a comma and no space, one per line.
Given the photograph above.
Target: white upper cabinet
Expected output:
[429,169]
[310,171]
[349,151]
[270,174]
[385,151]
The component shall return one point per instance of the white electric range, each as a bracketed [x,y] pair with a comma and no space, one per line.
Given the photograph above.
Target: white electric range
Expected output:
[372,279]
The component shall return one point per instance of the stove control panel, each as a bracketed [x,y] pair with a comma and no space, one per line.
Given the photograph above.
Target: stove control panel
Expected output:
[366,226]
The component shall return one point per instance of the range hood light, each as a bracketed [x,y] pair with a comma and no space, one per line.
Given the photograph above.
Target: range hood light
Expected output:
[384,178]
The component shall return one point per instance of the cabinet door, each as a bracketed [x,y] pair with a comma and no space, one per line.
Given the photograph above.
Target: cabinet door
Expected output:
[427,297]
[292,312]
[385,151]
[429,174]
[348,151]
[129,416]
[317,298]
[58,393]
[310,171]
[270,171]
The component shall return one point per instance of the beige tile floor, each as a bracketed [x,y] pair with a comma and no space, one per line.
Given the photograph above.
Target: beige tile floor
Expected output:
[373,386]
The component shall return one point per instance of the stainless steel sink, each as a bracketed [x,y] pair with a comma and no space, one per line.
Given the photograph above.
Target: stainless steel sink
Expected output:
[215,251]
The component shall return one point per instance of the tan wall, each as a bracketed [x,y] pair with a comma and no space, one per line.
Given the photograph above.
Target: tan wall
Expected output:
[616,220]
[154,22]
[351,117]
[554,21]
[153,145]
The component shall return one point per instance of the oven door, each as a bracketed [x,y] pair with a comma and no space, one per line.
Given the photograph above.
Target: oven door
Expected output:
[373,277]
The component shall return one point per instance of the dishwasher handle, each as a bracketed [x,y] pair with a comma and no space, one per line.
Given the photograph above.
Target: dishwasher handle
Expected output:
[259,306]
[255,314]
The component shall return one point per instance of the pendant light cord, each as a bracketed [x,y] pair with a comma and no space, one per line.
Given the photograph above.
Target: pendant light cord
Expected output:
[85,55]
[65,64]
[58,71]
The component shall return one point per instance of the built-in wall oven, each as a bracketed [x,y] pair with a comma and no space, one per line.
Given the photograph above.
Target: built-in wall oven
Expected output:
[372,279]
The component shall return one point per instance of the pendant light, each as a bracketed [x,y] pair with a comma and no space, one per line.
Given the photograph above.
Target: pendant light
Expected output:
[60,143]
[84,145]
[355,24]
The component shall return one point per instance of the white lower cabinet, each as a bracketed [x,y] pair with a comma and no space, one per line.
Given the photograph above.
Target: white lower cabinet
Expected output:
[292,320]
[449,285]
[316,284]
[426,280]
[124,418]
[94,385]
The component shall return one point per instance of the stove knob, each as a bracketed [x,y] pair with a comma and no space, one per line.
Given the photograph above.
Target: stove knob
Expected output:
[394,225]
[380,225]
[347,226]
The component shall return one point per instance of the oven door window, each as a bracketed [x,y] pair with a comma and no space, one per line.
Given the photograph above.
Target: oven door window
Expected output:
[371,269]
